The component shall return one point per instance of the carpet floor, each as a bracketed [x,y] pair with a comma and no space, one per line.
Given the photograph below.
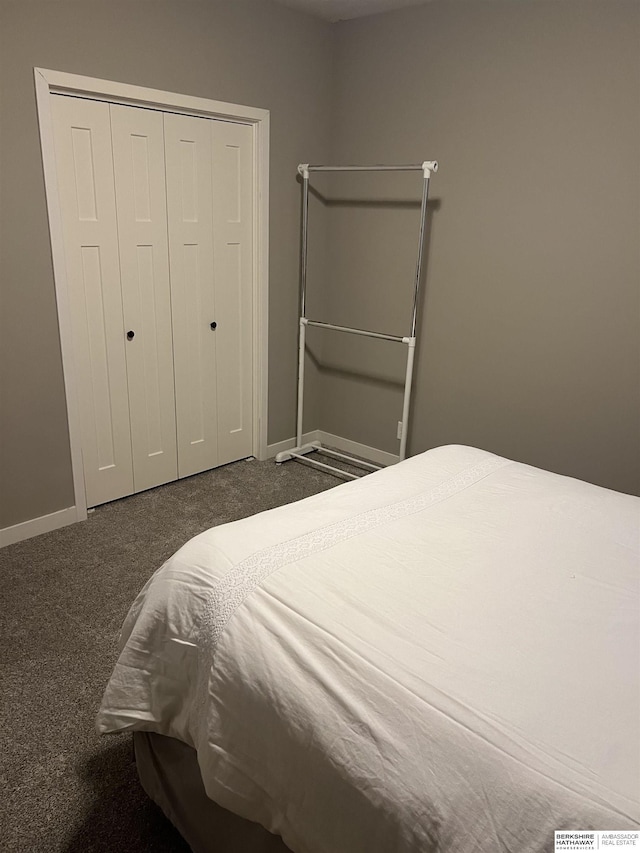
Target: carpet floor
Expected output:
[64,596]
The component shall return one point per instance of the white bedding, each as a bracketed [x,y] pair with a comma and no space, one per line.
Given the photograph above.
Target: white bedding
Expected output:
[444,655]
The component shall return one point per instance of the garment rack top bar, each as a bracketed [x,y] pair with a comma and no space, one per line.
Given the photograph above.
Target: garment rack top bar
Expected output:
[427,167]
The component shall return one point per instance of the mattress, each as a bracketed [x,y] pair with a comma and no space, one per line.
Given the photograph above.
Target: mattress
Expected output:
[443,656]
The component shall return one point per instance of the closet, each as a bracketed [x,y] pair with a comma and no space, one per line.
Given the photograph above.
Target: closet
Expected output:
[156,211]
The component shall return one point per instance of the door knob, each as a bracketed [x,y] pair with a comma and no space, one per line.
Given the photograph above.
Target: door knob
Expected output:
[130,335]
[213,325]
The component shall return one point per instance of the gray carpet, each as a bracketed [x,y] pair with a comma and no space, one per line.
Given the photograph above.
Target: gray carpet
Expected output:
[64,597]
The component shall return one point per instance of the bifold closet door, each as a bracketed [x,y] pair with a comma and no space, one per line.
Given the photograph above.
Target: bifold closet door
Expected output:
[87,200]
[210,217]
[111,177]
[157,217]
[232,158]
[139,167]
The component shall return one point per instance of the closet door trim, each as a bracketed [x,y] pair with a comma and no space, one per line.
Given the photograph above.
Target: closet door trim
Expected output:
[48,82]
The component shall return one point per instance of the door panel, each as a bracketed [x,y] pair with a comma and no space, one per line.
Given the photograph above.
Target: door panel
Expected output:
[138,156]
[232,159]
[87,202]
[189,204]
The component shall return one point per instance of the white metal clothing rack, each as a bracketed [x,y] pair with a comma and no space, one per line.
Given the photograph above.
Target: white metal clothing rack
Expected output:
[301,450]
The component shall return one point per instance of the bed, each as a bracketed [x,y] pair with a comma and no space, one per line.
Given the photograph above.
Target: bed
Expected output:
[441,656]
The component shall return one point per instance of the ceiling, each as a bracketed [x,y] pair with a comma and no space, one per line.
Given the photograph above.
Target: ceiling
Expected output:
[341,10]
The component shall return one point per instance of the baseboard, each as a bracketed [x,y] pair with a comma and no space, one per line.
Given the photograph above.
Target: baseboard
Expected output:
[344,444]
[382,457]
[290,443]
[36,526]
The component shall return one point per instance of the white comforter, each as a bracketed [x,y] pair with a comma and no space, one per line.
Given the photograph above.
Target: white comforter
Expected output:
[441,656]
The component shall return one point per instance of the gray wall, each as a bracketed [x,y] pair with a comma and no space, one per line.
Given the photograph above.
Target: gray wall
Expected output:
[530,323]
[254,53]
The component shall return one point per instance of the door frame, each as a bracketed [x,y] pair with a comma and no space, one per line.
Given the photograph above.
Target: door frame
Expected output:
[47,83]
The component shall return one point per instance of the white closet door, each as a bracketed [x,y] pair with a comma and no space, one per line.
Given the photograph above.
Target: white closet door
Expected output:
[189,204]
[87,201]
[138,156]
[232,159]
